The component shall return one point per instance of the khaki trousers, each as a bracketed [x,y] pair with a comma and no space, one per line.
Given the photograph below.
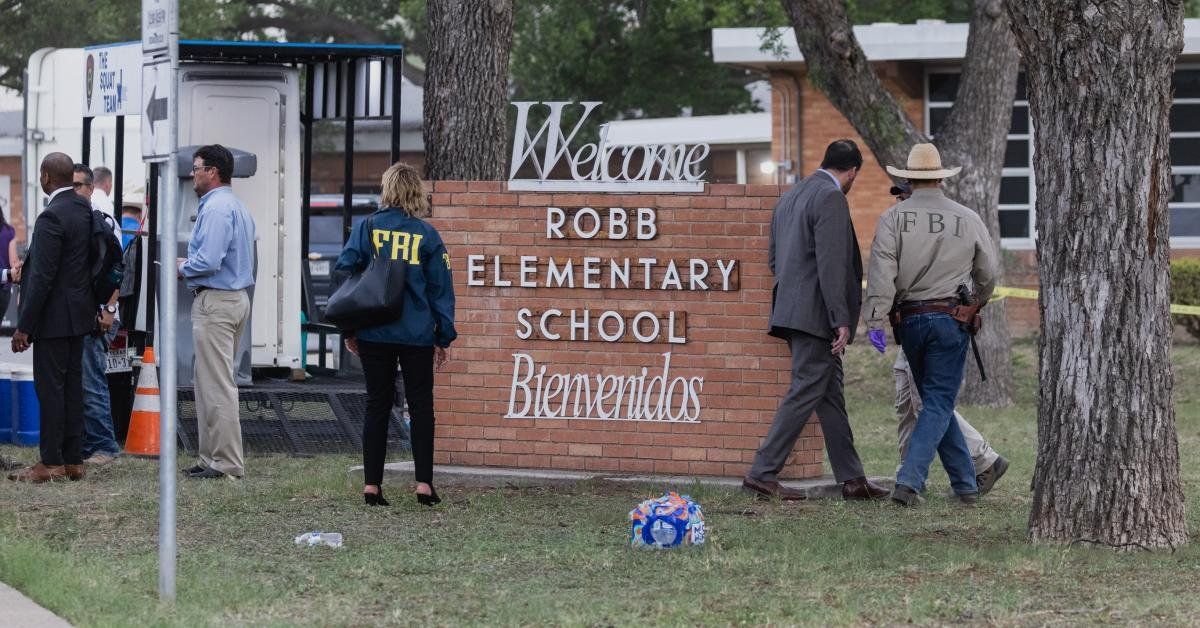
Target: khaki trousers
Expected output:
[218,320]
[908,406]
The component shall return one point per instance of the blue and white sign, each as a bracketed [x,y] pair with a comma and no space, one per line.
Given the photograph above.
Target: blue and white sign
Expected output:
[112,80]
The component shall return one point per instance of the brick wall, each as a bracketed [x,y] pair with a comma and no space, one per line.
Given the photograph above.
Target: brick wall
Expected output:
[822,123]
[744,371]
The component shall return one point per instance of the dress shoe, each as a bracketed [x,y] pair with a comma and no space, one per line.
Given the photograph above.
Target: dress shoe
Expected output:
[75,472]
[766,490]
[905,496]
[194,469]
[207,474]
[376,498]
[38,474]
[991,475]
[862,488]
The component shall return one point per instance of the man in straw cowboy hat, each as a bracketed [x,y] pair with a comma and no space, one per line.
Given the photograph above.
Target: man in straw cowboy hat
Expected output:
[925,248]
[990,466]
[814,258]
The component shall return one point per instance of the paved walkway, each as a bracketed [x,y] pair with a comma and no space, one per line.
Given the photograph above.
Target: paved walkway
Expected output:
[817,488]
[18,611]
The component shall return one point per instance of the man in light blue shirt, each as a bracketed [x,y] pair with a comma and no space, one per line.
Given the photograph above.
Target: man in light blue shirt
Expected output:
[218,269]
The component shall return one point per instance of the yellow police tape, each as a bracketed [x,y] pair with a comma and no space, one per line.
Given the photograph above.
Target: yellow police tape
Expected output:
[1024,293]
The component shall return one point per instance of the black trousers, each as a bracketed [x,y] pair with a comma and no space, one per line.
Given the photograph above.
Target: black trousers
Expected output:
[58,380]
[379,361]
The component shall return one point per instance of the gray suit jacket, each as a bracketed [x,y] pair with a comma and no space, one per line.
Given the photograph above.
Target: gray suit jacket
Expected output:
[815,259]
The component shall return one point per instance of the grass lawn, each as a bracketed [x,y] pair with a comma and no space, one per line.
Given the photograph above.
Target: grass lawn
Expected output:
[559,555]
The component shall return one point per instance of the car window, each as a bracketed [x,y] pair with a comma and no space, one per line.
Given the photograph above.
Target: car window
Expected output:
[328,229]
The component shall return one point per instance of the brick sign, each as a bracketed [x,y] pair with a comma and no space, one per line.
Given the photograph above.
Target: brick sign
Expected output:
[611,332]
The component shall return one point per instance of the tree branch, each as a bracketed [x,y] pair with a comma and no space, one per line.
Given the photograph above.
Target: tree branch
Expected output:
[838,67]
[301,20]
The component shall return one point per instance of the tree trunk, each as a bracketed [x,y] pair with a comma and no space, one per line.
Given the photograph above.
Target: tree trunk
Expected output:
[974,135]
[466,89]
[1099,77]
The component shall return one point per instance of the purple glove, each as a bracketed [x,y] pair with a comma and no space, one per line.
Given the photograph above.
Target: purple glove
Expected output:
[878,339]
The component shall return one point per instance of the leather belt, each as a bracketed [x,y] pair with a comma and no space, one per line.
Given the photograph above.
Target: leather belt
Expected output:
[937,306]
[198,289]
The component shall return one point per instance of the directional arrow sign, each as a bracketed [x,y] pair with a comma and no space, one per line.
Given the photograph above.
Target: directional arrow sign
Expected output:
[156,111]
[156,108]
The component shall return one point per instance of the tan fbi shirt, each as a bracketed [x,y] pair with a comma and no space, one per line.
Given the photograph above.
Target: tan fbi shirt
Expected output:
[924,248]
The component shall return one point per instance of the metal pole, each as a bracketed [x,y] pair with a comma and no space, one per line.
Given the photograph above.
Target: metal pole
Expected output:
[85,146]
[348,174]
[397,82]
[167,335]
[153,247]
[119,170]
[309,130]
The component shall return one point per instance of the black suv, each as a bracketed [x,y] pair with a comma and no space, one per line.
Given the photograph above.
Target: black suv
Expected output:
[325,239]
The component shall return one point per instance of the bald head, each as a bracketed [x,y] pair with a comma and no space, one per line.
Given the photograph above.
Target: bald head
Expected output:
[57,170]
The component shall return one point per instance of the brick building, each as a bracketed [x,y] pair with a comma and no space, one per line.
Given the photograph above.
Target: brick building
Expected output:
[920,65]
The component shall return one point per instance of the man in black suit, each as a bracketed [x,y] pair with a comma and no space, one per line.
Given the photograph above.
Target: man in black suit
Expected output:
[818,273]
[57,311]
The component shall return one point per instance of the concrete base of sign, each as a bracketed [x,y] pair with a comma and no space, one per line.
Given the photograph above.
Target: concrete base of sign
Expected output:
[816,488]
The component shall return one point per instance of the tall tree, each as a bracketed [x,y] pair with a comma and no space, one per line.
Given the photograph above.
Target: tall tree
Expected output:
[38,24]
[1100,94]
[973,135]
[643,59]
[466,88]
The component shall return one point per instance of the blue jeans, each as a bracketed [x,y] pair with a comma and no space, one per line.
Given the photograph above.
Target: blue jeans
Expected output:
[98,437]
[937,351]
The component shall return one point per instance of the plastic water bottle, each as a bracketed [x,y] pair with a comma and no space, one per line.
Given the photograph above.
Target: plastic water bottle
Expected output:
[312,539]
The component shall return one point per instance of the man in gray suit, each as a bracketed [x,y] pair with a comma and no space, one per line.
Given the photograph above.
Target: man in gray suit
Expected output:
[818,294]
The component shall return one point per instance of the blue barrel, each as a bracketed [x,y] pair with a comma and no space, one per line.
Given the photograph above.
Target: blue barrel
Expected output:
[7,424]
[26,408]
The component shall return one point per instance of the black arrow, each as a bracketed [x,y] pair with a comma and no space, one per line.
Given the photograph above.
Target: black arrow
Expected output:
[156,109]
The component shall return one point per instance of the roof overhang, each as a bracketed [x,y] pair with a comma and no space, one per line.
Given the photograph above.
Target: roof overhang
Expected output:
[280,52]
[926,40]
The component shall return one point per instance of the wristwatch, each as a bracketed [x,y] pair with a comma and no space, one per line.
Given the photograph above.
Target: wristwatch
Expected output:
[111,309]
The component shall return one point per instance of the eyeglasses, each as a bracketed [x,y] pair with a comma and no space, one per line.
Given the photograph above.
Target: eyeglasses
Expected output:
[196,169]
[80,184]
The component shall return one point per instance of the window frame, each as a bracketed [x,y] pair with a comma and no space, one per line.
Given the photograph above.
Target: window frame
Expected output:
[1030,243]
[1013,244]
[1193,241]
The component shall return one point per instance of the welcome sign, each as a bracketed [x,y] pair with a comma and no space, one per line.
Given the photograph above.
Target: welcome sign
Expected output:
[611,331]
[559,165]
[651,392]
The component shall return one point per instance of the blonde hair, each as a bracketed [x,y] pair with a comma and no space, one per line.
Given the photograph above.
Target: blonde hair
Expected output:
[402,189]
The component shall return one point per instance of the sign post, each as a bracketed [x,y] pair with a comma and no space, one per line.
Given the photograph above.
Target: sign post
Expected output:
[160,141]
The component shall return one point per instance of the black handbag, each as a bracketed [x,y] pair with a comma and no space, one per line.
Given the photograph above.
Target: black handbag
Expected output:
[371,297]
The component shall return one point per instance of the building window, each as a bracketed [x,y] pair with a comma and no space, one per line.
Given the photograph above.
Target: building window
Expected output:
[1018,188]
[1016,185]
[1185,159]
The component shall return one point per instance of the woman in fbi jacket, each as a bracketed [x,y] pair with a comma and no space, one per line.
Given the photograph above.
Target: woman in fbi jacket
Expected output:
[417,342]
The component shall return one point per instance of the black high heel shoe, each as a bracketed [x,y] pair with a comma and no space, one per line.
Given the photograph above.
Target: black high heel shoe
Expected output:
[375,499]
[430,499]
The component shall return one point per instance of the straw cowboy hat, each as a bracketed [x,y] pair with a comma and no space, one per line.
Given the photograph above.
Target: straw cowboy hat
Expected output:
[924,162]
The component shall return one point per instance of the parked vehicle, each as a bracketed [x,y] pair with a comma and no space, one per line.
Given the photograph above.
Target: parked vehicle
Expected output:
[326,238]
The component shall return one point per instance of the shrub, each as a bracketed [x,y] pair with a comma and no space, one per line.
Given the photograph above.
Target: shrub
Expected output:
[1185,290]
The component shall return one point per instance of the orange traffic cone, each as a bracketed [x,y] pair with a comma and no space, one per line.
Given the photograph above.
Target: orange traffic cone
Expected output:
[143,437]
